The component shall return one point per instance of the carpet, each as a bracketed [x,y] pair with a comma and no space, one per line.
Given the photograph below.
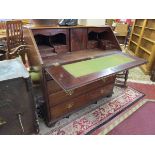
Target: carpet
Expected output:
[137,74]
[89,121]
[147,89]
[137,120]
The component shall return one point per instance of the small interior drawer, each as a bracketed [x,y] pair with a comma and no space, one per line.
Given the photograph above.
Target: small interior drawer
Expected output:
[49,32]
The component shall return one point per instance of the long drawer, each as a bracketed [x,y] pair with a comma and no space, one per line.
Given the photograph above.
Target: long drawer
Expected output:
[49,32]
[79,102]
[61,96]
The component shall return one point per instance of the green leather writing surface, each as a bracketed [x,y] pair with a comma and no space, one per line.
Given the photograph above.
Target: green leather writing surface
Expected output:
[96,65]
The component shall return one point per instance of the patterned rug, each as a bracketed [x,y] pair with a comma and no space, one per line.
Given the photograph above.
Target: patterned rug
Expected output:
[136,120]
[99,115]
[148,90]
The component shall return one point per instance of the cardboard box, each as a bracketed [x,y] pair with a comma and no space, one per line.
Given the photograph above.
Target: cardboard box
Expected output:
[121,29]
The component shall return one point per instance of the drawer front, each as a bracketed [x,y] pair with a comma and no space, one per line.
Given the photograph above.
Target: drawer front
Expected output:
[53,87]
[61,48]
[79,102]
[100,92]
[98,30]
[61,96]
[50,32]
[92,44]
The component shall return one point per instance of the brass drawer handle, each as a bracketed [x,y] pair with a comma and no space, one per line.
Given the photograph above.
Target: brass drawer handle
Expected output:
[70,105]
[2,122]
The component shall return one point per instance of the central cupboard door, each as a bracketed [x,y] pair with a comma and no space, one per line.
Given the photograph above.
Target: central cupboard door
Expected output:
[78,39]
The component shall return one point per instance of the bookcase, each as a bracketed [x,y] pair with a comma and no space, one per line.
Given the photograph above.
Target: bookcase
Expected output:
[142,42]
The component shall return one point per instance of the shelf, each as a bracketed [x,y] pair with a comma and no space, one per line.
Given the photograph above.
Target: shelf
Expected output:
[131,52]
[143,33]
[138,26]
[150,28]
[133,42]
[136,34]
[144,49]
[150,40]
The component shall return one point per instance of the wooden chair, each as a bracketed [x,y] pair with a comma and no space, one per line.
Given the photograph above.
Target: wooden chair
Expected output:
[15,41]
[2,33]
[2,25]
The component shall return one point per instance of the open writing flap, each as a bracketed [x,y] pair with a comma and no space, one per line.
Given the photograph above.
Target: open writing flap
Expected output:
[77,74]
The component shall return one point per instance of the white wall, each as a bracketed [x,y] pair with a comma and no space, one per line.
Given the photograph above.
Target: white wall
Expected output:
[92,22]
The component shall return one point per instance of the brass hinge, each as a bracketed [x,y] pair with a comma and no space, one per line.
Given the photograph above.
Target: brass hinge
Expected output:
[104,79]
[69,92]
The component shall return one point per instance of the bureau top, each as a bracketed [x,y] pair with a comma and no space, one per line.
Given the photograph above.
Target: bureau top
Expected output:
[61,27]
[11,69]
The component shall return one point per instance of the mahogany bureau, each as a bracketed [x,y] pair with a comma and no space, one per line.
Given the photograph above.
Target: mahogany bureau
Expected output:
[54,47]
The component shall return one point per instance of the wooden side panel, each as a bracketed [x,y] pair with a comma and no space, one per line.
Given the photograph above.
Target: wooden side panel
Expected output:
[78,39]
[33,52]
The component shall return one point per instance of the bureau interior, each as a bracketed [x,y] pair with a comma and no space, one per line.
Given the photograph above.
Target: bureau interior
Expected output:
[101,38]
[59,42]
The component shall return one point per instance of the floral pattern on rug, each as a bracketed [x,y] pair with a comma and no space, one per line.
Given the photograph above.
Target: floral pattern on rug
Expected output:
[94,118]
